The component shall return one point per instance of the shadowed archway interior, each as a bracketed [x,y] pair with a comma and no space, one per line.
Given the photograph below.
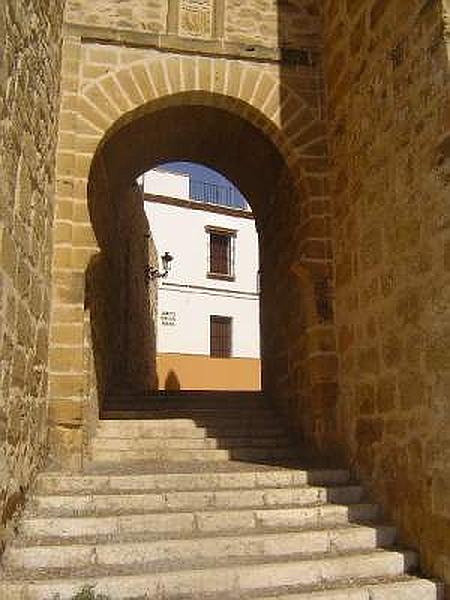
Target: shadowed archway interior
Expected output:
[204,134]
[240,149]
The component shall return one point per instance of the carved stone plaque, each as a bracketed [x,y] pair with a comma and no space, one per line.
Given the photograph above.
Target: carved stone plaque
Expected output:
[196,18]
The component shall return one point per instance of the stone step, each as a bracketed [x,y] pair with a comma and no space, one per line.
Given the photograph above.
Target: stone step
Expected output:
[118,552]
[267,454]
[410,588]
[203,496]
[190,395]
[194,500]
[257,410]
[186,443]
[201,416]
[62,483]
[189,400]
[135,428]
[206,521]
[232,579]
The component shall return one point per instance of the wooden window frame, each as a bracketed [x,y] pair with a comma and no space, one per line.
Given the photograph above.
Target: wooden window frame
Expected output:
[230,234]
[222,350]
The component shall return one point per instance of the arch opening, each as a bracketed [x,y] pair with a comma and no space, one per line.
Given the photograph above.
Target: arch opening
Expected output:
[242,146]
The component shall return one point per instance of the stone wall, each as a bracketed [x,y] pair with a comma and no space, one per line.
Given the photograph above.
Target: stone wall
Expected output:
[135,369]
[120,301]
[299,341]
[224,23]
[119,331]
[271,23]
[387,73]
[149,16]
[30,34]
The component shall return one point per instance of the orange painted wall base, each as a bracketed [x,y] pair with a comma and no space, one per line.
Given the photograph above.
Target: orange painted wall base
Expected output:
[198,372]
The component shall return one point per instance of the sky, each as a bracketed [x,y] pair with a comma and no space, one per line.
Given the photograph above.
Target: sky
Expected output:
[201,173]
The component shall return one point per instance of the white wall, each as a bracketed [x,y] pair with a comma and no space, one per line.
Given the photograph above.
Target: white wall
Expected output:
[190,334]
[190,294]
[190,249]
[165,183]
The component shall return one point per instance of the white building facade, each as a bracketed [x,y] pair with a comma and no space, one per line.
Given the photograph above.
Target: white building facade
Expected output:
[208,333]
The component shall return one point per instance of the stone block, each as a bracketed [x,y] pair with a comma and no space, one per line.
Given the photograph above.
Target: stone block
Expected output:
[322,367]
[19,367]
[9,253]
[100,54]
[392,349]
[365,394]
[64,209]
[91,113]
[129,87]
[64,359]
[386,394]
[68,413]
[67,385]
[369,361]
[62,257]
[369,431]
[83,235]
[82,256]
[67,334]
[438,351]
[143,81]
[66,446]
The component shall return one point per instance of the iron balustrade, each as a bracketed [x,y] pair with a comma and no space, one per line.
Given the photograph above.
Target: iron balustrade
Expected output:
[213,193]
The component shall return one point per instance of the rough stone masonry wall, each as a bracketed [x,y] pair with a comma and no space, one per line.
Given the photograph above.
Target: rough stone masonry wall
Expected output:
[387,73]
[272,23]
[136,359]
[30,36]
[120,302]
[150,16]
[255,23]
[298,333]
[119,294]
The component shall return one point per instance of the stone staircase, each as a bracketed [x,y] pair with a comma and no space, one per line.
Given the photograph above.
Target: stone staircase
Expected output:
[205,498]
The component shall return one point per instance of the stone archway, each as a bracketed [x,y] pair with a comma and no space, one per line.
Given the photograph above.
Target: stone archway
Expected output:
[226,115]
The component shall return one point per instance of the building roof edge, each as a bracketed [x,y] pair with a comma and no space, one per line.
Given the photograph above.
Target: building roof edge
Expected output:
[197,205]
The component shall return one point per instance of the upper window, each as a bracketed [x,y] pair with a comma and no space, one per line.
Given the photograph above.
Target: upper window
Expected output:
[221,253]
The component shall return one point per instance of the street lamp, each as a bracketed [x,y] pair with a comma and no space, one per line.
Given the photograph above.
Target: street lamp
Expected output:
[152,272]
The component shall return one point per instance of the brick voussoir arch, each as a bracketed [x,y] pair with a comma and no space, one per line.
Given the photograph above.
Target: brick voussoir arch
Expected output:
[245,90]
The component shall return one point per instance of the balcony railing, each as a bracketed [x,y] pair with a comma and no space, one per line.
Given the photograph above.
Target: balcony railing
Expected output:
[212,193]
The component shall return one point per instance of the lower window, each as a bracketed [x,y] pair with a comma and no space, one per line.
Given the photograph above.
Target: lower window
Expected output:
[220,336]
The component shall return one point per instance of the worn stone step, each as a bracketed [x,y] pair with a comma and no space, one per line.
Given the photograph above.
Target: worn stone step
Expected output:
[202,417]
[189,401]
[202,454]
[410,588]
[236,579]
[194,500]
[135,428]
[207,521]
[231,394]
[186,443]
[59,483]
[255,410]
[60,556]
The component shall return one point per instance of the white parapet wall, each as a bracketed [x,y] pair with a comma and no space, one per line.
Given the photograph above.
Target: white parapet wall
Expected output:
[165,183]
